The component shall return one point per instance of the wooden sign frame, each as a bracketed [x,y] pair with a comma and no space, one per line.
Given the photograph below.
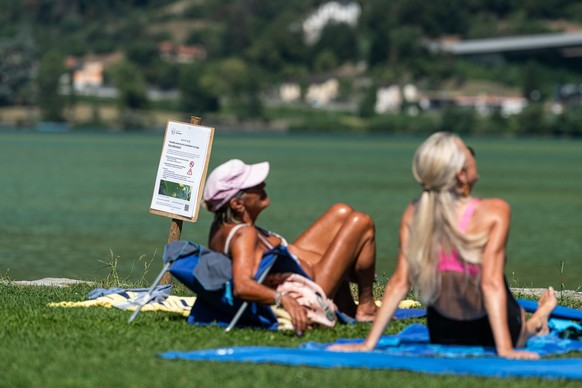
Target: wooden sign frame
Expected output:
[182,161]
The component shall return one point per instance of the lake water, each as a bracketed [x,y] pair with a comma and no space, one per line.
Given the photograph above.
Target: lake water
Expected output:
[72,202]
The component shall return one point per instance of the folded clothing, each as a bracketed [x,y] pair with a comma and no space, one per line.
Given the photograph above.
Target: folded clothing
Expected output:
[159,293]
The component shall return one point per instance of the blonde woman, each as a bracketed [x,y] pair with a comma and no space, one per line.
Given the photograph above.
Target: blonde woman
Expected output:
[452,252]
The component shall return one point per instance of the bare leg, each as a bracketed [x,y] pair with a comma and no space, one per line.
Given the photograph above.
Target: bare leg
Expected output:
[538,322]
[344,300]
[341,243]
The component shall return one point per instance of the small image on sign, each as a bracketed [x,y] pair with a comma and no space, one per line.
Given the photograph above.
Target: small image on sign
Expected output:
[175,190]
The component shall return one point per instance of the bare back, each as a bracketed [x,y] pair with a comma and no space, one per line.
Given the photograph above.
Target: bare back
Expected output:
[460,295]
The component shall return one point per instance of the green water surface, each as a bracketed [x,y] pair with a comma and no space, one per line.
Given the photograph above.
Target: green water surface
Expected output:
[70,201]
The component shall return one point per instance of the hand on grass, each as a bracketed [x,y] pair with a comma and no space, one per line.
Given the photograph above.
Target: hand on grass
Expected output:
[297,313]
[361,347]
[519,355]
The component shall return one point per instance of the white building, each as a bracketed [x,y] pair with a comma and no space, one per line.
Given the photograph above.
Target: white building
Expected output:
[486,104]
[330,12]
[388,99]
[319,94]
[289,92]
[90,75]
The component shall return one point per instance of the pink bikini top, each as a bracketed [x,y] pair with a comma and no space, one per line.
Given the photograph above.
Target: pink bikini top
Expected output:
[451,262]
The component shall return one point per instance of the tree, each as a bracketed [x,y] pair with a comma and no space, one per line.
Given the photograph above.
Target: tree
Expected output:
[531,82]
[367,106]
[378,18]
[238,32]
[145,55]
[11,16]
[130,85]
[195,99]
[405,45]
[457,120]
[234,81]
[325,61]
[16,69]
[379,50]
[165,75]
[434,18]
[532,120]
[50,101]
[279,45]
[568,123]
[340,39]
[142,53]
[132,93]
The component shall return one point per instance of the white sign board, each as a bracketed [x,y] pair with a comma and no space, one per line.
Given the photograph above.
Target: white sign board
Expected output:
[182,171]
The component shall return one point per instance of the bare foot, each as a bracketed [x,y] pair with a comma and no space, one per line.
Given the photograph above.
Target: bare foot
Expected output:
[546,305]
[366,312]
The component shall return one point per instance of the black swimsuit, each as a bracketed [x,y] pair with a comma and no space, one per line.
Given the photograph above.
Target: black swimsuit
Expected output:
[473,332]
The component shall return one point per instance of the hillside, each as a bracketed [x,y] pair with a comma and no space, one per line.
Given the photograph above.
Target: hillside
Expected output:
[232,58]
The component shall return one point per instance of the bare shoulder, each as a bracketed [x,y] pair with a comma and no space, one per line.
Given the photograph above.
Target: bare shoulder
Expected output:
[494,211]
[495,206]
[227,234]
[244,231]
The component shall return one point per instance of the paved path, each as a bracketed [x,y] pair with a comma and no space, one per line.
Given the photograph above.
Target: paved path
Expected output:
[535,293]
[58,282]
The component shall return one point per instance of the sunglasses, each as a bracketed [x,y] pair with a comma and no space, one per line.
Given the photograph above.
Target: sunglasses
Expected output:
[471,150]
[254,189]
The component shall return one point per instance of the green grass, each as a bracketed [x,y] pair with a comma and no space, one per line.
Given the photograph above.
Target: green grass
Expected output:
[96,347]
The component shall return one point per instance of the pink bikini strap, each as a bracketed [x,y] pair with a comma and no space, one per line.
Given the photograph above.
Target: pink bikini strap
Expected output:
[468,214]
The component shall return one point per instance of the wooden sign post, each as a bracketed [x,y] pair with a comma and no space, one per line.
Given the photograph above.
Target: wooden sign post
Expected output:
[181,175]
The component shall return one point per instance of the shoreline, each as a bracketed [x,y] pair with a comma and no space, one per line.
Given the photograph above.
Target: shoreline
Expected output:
[535,293]
[55,282]
[529,293]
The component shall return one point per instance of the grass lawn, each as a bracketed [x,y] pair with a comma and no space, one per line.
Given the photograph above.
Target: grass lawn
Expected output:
[96,347]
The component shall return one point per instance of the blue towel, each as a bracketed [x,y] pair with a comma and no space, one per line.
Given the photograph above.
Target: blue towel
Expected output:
[563,368]
[414,341]
[410,350]
[409,313]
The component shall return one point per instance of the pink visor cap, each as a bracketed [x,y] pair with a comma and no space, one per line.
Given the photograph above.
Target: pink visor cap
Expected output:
[229,178]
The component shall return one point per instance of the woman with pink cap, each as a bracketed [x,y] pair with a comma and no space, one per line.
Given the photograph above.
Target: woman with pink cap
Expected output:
[338,247]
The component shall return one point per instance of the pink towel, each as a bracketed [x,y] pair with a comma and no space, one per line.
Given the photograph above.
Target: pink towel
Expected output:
[320,309]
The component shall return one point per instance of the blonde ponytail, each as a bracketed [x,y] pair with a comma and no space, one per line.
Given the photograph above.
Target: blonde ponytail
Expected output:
[434,228]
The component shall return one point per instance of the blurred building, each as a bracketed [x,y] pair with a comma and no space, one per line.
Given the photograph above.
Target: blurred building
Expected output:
[289,92]
[332,11]
[322,93]
[85,75]
[184,54]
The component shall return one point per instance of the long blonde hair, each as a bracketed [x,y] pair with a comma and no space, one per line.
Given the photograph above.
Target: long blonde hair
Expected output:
[434,227]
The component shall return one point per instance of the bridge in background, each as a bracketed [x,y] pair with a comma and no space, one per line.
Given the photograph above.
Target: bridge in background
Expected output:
[568,45]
